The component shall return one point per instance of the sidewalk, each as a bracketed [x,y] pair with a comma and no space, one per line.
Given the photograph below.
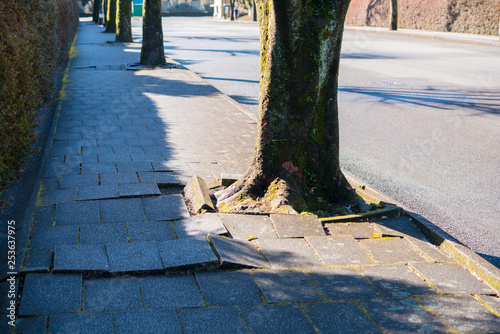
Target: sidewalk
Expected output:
[110,247]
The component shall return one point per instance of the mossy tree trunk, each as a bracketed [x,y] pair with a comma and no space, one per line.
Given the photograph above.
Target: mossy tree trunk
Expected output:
[296,161]
[394,15]
[124,21]
[152,52]
[111,17]
[96,10]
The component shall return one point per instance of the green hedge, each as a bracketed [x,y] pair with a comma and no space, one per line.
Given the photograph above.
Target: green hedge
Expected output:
[35,36]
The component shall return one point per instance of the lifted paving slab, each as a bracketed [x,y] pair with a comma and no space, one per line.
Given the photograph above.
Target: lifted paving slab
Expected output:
[237,253]
[197,226]
[243,226]
[289,253]
[395,250]
[187,254]
[297,226]
[141,256]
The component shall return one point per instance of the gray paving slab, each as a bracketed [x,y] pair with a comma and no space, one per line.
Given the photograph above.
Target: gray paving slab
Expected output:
[101,167]
[451,278]
[289,253]
[356,230]
[140,189]
[121,210]
[212,320]
[169,166]
[167,207]
[336,251]
[103,234]
[111,294]
[78,180]
[140,256]
[286,286]
[403,316]
[297,226]
[38,262]
[187,254]
[116,178]
[51,294]
[244,226]
[396,281]
[341,284]
[57,196]
[334,318]
[43,216]
[94,323]
[46,238]
[224,288]
[80,258]
[51,183]
[165,292]
[201,225]
[493,302]
[36,325]
[276,319]
[233,252]
[150,231]
[394,250]
[77,213]
[397,227]
[161,178]
[139,166]
[147,322]
[465,314]
[429,250]
[97,192]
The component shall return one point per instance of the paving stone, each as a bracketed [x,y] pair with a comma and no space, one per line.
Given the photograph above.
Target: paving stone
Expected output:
[276,319]
[77,213]
[286,286]
[81,323]
[51,183]
[233,252]
[51,294]
[450,278]
[201,225]
[335,251]
[140,166]
[398,227]
[403,316]
[58,196]
[428,249]
[289,253]
[99,168]
[80,258]
[340,318]
[98,192]
[463,313]
[78,180]
[162,178]
[243,226]
[169,166]
[356,230]
[103,234]
[30,325]
[212,320]
[224,288]
[128,150]
[147,322]
[140,189]
[111,294]
[38,261]
[116,178]
[46,238]
[165,292]
[77,158]
[44,216]
[396,281]
[342,284]
[140,256]
[150,231]
[394,250]
[168,207]
[297,226]
[492,302]
[121,210]
[187,254]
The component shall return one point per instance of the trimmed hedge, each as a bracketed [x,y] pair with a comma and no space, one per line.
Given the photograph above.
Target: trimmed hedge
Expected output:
[35,36]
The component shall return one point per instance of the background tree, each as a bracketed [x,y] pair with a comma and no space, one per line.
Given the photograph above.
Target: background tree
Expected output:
[96,10]
[111,17]
[152,51]
[394,15]
[105,11]
[296,161]
[124,21]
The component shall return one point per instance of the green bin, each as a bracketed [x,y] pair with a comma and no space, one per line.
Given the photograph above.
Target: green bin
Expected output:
[137,8]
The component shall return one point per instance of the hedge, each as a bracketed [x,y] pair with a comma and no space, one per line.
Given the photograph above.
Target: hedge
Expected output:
[35,36]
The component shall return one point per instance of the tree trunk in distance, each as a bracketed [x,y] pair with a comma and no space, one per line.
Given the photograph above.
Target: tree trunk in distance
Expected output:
[254,11]
[394,14]
[295,167]
[152,51]
[105,11]
[96,10]
[111,17]
[124,21]
[231,9]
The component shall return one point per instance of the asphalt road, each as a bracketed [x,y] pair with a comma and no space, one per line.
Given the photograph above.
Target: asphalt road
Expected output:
[420,118]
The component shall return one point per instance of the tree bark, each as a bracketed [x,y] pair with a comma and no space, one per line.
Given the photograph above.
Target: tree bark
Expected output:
[124,21]
[105,11]
[296,160]
[394,15]
[231,9]
[111,17]
[254,11]
[96,10]
[152,52]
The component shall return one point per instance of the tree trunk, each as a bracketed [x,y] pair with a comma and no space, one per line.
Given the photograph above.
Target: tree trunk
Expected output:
[254,11]
[96,10]
[124,21]
[111,17]
[394,14]
[152,52]
[296,160]
[231,9]
[105,11]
